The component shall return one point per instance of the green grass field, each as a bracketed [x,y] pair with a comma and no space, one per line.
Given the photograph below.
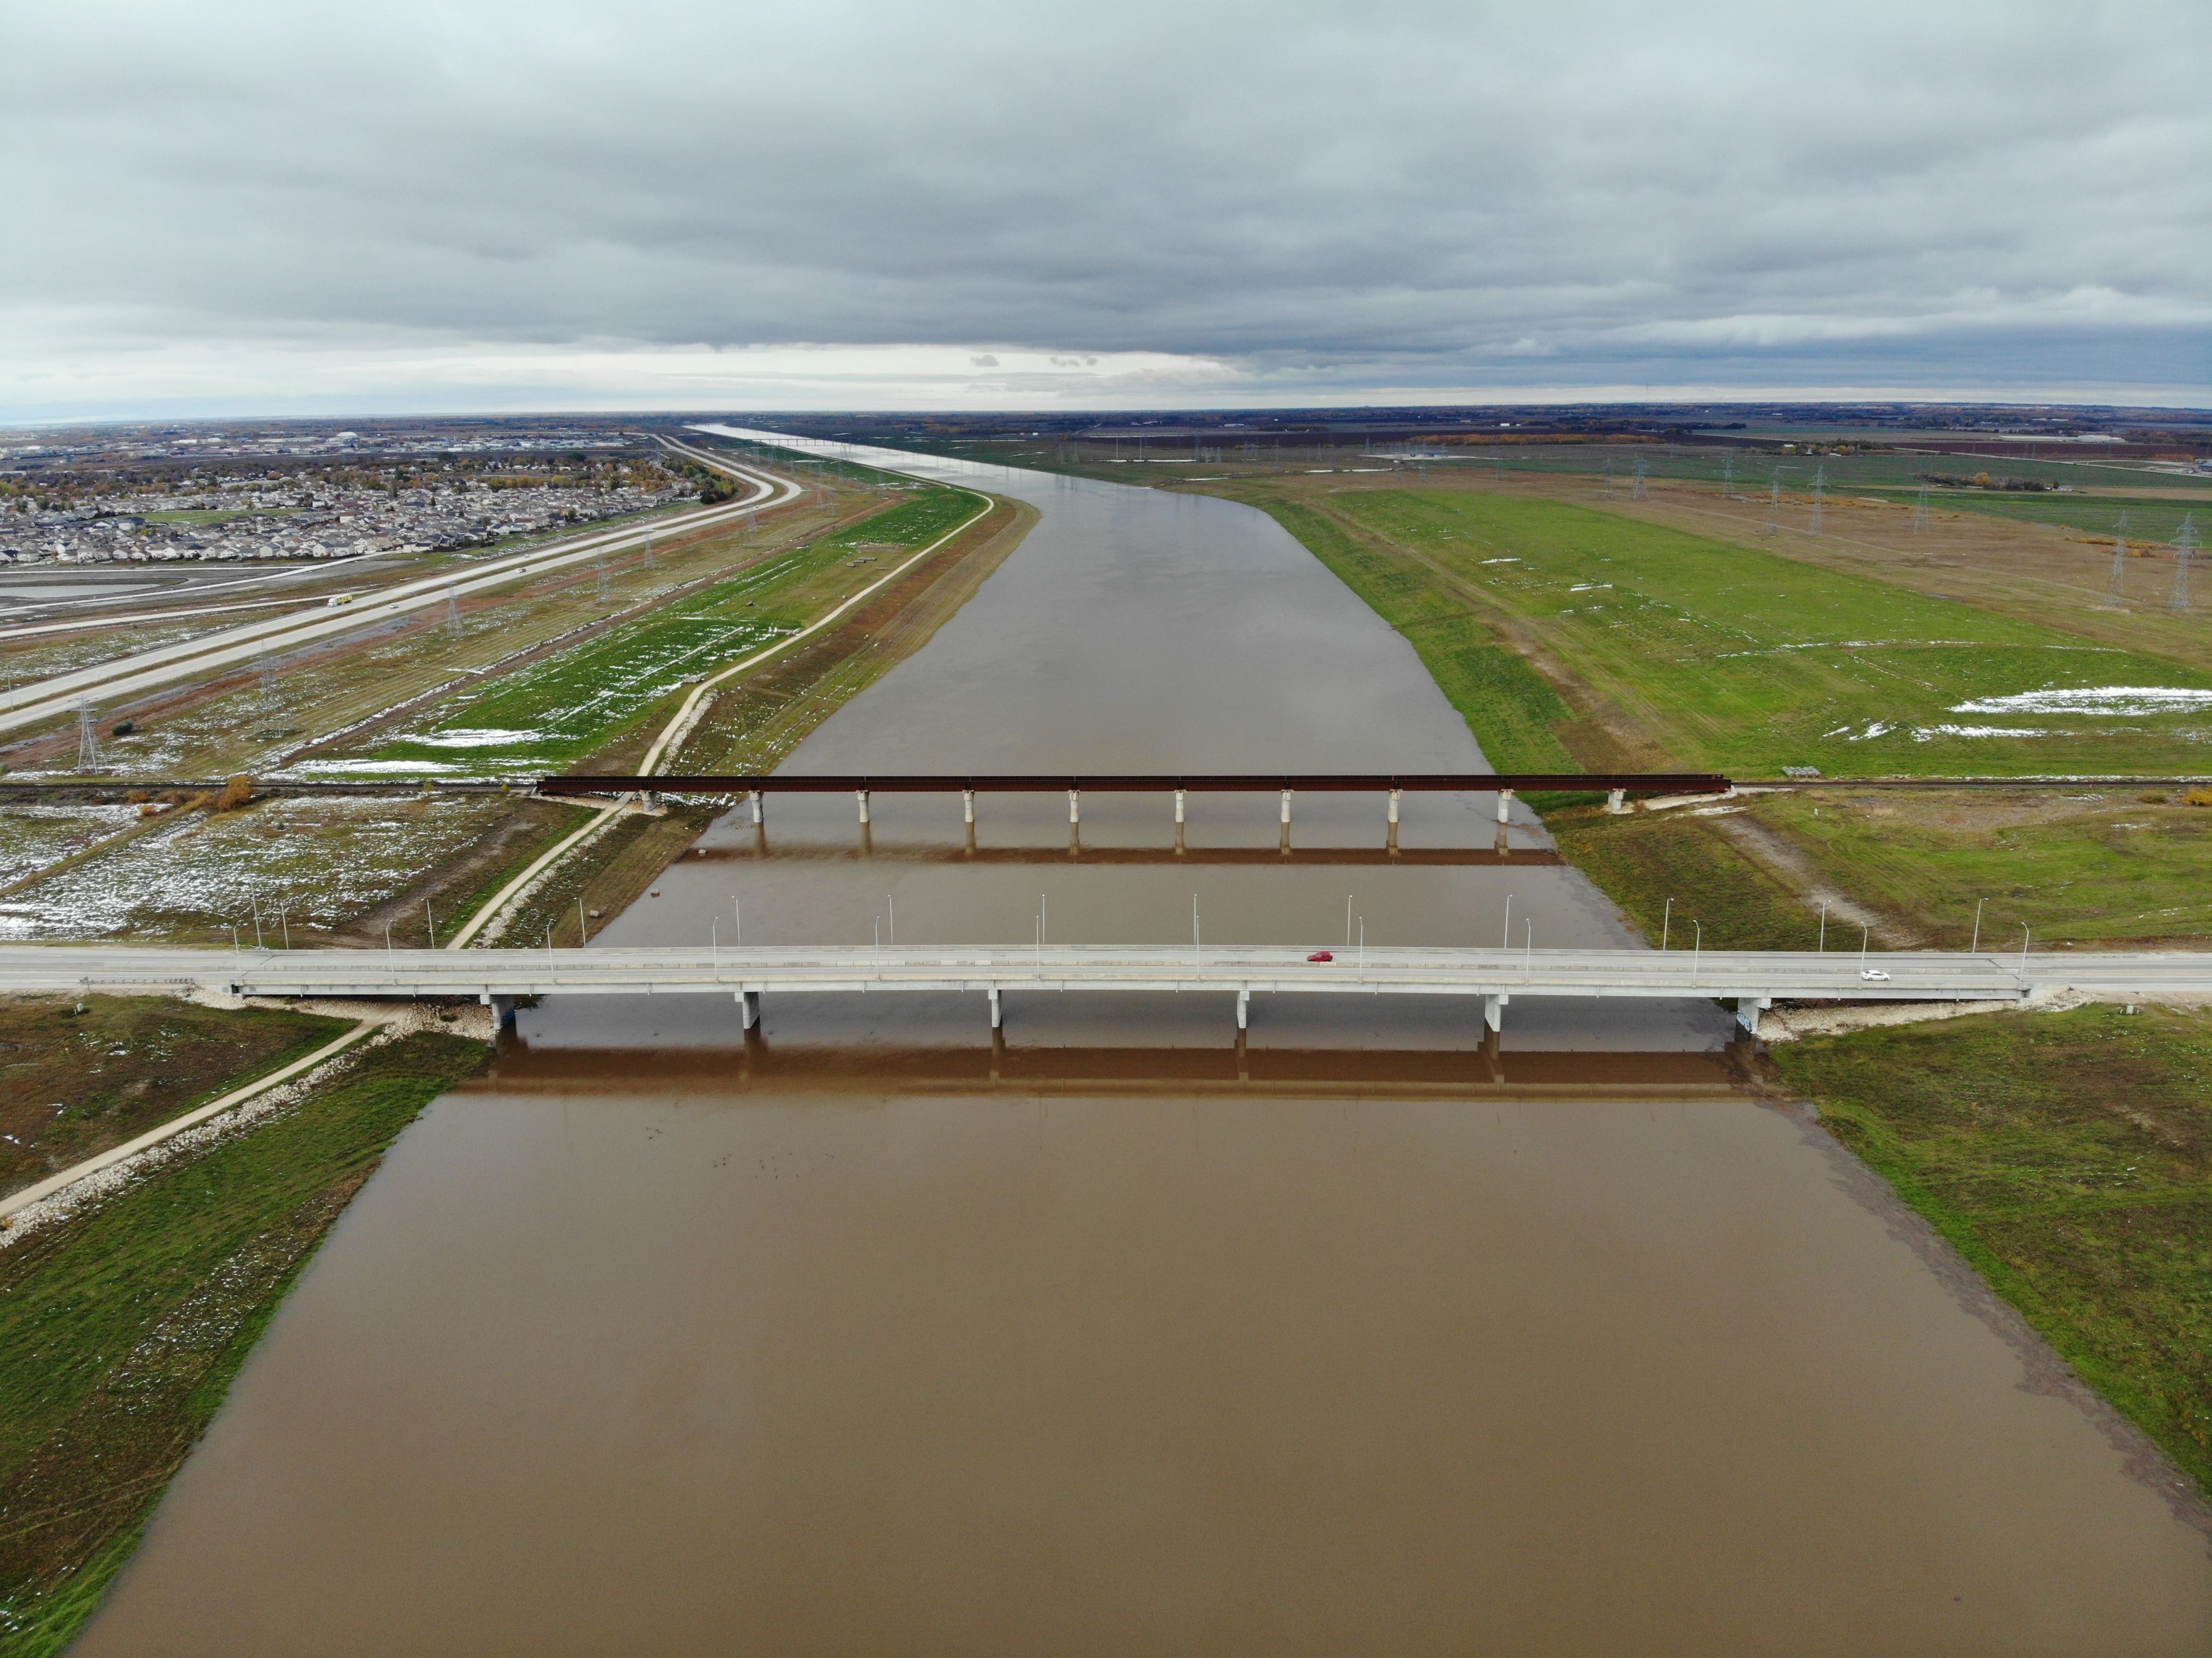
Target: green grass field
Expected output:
[2068,1157]
[2150,523]
[1741,660]
[121,1329]
[2103,870]
[553,713]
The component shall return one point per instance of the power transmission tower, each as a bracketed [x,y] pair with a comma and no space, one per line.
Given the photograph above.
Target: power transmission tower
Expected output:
[1637,491]
[453,614]
[1774,502]
[87,746]
[266,665]
[600,564]
[2184,545]
[1819,487]
[1727,477]
[1920,512]
[2120,556]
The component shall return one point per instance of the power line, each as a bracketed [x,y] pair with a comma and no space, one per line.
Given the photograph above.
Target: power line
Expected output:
[2184,545]
[87,746]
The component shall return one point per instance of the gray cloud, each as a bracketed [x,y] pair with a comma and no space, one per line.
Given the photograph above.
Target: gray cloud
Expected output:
[1966,197]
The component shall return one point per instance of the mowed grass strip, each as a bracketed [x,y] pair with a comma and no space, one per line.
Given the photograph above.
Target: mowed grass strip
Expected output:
[121,1329]
[2068,1157]
[1743,661]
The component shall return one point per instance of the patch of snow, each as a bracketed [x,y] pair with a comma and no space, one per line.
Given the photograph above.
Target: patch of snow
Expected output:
[1922,733]
[2094,699]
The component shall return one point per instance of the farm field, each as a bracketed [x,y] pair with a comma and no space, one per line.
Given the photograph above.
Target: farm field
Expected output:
[1728,658]
[2068,1157]
[1601,641]
[2152,522]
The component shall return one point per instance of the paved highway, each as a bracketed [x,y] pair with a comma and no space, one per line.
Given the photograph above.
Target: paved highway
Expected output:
[1753,978]
[128,676]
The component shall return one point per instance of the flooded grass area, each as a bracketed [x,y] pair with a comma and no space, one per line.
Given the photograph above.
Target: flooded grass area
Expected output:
[121,1327]
[317,862]
[79,1076]
[2068,1157]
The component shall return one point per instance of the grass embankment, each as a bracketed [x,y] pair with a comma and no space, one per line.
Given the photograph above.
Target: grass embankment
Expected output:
[1740,660]
[72,1085]
[2068,1157]
[1660,649]
[583,701]
[754,722]
[603,878]
[121,1329]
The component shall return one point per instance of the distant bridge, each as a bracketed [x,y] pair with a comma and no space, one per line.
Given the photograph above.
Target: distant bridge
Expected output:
[96,783]
[1754,980]
[864,785]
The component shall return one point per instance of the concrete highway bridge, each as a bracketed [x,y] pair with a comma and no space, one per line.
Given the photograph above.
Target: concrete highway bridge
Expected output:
[1753,980]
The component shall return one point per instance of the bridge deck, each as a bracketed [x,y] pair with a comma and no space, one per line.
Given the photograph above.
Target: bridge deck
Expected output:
[1919,976]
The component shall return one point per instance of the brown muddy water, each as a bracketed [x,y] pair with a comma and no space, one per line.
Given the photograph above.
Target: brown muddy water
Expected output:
[1117,1335]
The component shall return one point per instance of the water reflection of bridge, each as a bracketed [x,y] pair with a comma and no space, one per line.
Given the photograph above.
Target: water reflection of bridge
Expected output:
[692,1073]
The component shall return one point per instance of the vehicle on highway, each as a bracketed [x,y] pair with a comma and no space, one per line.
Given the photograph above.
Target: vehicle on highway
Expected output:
[1322,955]
[1872,972]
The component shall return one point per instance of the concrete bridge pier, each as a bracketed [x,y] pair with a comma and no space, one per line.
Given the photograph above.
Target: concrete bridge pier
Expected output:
[749,1009]
[1243,1010]
[1505,803]
[1616,801]
[1075,805]
[1493,1013]
[968,806]
[760,813]
[1396,795]
[1747,1009]
[998,1012]
[1286,806]
[861,795]
[502,1010]
[1179,808]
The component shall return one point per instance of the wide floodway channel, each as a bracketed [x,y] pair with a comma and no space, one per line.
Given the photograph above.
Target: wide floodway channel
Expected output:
[1117,1332]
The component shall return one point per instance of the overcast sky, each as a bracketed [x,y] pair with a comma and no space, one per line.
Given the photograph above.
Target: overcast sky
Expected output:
[309,208]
